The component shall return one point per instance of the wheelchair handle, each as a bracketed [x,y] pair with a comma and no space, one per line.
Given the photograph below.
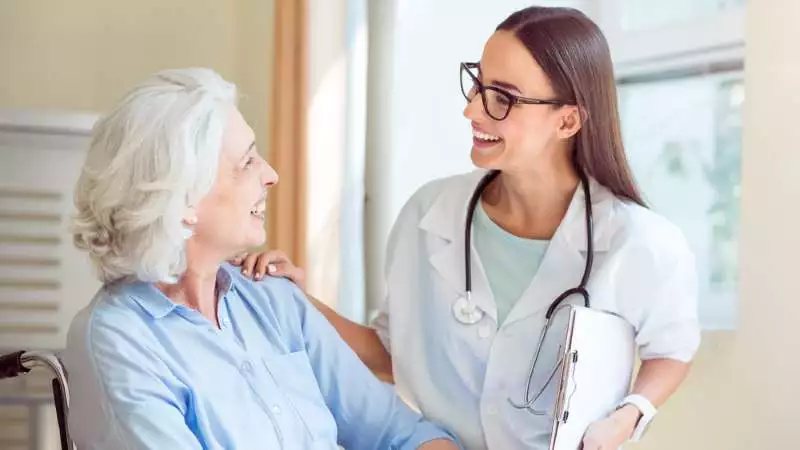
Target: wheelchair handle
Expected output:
[11,365]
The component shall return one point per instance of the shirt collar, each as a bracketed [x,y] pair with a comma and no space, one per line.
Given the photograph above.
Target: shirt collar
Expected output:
[447,215]
[158,305]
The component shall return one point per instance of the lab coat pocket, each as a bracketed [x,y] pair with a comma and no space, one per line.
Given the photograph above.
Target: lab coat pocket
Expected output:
[292,372]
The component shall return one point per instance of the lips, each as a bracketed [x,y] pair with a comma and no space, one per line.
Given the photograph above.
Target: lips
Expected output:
[259,209]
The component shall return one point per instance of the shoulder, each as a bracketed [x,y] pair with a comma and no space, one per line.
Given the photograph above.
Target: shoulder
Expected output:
[112,328]
[277,302]
[271,295]
[106,340]
[650,235]
[111,315]
[457,186]
[440,200]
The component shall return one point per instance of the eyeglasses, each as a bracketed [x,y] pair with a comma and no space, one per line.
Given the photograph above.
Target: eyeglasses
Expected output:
[496,102]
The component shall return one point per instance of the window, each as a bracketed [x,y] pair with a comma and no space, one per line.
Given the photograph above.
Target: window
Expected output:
[638,15]
[679,67]
[683,138]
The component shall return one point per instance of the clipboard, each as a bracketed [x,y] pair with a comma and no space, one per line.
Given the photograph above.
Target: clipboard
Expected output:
[598,361]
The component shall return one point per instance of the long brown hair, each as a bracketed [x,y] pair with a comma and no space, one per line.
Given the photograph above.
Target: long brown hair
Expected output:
[574,55]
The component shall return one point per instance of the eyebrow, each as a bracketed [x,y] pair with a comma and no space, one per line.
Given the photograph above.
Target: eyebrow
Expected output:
[252,145]
[498,83]
[504,85]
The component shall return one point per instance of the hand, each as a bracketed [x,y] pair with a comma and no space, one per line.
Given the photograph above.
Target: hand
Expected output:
[274,263]
[613,431]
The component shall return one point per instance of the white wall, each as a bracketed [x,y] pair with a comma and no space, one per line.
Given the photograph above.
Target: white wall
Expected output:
[743,390]
[769,334]
[337,37]
[416,131]
[85,54]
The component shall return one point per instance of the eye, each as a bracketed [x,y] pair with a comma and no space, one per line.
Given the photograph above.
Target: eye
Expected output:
[249,162]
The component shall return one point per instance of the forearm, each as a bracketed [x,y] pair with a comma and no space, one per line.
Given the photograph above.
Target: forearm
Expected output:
[362,340]
[656,380]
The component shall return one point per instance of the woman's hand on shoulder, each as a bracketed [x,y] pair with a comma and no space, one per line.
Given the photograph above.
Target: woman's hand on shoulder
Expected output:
[274,263]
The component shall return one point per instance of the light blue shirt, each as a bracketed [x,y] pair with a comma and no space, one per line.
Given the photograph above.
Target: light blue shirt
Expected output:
[510,262]
[146,373]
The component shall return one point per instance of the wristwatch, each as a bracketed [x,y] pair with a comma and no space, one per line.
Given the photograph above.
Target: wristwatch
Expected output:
[648,412]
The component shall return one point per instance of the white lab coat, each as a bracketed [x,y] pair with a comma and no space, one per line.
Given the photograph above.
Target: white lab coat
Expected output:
[463,376]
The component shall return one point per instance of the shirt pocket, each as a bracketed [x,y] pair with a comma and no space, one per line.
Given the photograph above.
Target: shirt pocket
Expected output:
[295,378]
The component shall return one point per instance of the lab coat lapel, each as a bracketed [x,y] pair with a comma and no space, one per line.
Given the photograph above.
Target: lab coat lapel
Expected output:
[565,259]
[446,219]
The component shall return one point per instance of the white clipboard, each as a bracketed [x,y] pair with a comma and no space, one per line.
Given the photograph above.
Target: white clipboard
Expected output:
[598,362]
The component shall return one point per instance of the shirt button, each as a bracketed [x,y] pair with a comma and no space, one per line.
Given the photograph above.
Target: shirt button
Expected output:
[484,331]
[276,409]
[247,367]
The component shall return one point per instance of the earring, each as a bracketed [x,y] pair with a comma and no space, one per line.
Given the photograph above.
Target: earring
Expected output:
[187,233]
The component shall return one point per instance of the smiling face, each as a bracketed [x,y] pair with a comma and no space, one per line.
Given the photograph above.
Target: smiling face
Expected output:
[529,131]
[230,218]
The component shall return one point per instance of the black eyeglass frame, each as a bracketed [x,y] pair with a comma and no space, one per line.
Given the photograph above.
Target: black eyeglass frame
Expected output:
[512,99]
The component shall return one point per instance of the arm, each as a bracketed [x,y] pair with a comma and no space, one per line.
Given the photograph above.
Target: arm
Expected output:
[369,414]
[362,339]
[657,380]
[668,337]
[122,397]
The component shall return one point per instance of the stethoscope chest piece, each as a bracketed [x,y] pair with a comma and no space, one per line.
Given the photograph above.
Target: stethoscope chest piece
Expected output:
[466,311]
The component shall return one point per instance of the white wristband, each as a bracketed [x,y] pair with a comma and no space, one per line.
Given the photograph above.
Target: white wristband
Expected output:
[646,408]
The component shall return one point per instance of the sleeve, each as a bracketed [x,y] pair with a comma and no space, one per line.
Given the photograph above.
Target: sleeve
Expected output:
[368,412]
[409,214]
[380,323]
[669,325]
[121,396]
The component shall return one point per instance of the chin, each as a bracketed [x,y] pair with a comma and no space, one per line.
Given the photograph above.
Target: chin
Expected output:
[256,241]
[487,161]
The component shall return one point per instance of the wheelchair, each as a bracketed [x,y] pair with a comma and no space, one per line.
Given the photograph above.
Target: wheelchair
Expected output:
[22,362]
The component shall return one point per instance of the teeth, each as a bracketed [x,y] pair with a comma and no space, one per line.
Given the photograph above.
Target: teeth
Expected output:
[484,136]
[259,210]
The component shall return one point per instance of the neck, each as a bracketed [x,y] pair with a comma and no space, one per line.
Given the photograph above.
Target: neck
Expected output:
[196,288]
[532,203]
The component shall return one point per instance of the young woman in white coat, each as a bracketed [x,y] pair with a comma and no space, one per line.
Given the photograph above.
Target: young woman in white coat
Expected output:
[542,105]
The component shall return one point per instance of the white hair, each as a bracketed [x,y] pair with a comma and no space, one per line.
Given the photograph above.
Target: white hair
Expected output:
[150,158]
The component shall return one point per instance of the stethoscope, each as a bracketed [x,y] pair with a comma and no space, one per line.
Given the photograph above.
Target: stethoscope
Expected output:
[466,310]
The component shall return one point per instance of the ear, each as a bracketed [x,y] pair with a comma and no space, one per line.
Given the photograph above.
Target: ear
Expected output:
[190,216]
[571,121]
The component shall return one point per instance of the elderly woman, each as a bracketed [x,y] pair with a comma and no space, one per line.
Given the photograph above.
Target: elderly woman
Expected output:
[178,350]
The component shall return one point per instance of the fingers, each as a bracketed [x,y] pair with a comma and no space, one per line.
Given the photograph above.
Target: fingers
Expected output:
[287,270]
[238,259]
[274,263]
[249,264]
[257,265]
[268,263]
[281,269]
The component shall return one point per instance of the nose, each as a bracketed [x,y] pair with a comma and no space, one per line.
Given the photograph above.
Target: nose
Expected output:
[474,109]
[268,175]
